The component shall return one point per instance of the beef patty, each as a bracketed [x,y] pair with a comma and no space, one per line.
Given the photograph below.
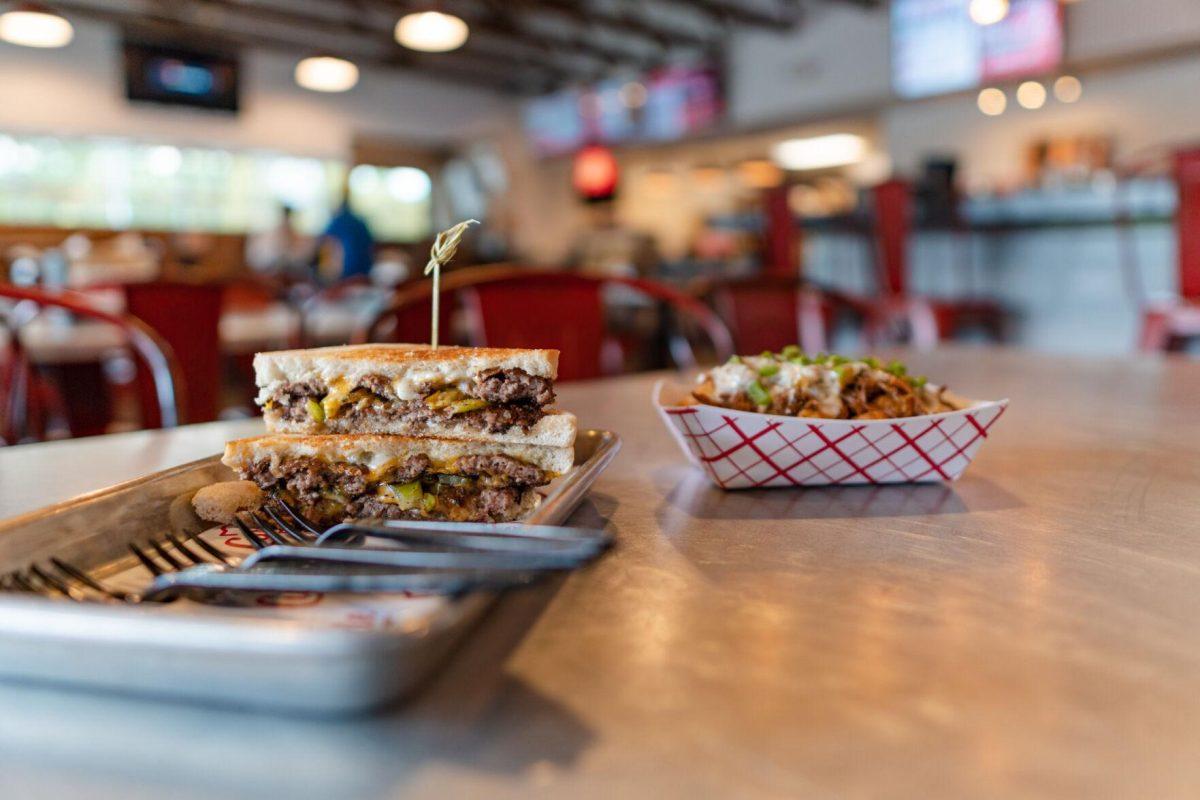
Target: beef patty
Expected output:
[515,397]
[491,488]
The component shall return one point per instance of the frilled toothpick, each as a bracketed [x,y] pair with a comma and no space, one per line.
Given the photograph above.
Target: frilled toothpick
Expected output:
[444,248]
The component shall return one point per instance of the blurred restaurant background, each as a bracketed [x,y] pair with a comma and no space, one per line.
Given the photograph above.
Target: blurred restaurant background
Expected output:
[657,183]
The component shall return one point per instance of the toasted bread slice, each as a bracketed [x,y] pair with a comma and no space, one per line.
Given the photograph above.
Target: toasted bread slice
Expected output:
[376,452]
[408,367]
[555,429]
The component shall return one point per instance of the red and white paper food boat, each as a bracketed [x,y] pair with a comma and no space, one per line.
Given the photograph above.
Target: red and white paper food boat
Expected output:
[747,450]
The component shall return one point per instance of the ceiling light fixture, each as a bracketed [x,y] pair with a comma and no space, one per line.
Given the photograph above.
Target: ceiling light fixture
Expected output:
[992,101]
[431,31]
[820,152]
[1068,89]
[326,74]
[35,25]
[1031,95]
[987,12]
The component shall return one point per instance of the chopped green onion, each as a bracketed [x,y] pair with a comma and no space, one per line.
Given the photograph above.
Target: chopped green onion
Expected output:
[837,361]
[917,382]
[896,368]
[768,370]
[766,354]
[791,351]
[428,501]
[758,394]
[871,361]
[734,360]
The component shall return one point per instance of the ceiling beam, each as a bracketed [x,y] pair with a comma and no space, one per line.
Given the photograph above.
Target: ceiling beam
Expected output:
[727,12]
[622,22]
[354,23]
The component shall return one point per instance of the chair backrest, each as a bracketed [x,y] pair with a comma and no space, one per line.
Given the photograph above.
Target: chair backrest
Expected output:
[19,386]
[892,227]
[188,317]
[1187,221]
[763,312]
[527,307]
[781,235]
[563,311]
[409,314]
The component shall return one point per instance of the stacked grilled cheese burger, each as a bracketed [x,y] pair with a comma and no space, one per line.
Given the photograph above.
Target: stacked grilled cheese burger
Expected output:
[407,431]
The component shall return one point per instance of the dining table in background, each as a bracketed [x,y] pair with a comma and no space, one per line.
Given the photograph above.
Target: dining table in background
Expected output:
[1029,631]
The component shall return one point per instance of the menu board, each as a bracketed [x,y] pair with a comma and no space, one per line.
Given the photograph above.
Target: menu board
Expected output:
[937,48]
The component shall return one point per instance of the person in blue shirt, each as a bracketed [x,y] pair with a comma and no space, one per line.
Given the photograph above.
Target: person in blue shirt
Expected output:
[353,241]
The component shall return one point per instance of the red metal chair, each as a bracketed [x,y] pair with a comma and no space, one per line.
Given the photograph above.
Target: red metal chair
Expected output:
[28,401]
[928,320]
[524,307]
[188,317]
[782,238]
[769,312]
[1166,326]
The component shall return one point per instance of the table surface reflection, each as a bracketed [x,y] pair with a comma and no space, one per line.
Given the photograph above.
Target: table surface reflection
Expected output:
[1030,631]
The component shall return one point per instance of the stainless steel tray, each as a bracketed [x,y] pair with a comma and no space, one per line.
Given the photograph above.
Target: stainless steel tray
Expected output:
[368,653]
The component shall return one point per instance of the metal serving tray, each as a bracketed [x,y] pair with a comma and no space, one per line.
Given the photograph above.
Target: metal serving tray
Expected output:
[332,655]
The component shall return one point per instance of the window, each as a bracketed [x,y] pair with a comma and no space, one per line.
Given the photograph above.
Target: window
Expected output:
[121,184]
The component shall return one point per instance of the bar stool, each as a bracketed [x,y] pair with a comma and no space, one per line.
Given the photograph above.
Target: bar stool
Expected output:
[929,320]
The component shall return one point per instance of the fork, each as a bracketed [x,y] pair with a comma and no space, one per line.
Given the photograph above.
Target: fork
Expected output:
[484,557]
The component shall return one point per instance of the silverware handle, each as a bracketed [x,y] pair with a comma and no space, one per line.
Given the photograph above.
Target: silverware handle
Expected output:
[213,579]
[584,543]
[403,559]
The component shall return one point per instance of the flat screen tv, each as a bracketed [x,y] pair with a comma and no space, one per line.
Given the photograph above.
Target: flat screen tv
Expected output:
[937,48]
[663,105]
[181,77]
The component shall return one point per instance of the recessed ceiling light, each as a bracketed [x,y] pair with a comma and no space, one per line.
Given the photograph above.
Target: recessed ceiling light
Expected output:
[992,101]
[820,152]
[1031,95]
[1068,89]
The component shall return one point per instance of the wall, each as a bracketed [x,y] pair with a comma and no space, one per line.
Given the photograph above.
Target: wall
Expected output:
[78,90]
[1143,108]
[839,62]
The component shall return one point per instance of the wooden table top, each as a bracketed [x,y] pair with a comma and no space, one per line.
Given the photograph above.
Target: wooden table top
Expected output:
[1031,631]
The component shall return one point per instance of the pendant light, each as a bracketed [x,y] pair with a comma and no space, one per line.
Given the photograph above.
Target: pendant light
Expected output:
[431,31]
[35,25]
